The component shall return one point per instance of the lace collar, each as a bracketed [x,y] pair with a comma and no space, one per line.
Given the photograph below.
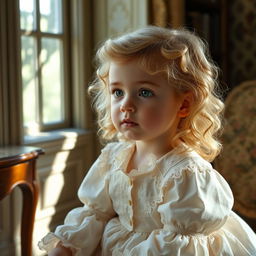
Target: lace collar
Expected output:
[171,158]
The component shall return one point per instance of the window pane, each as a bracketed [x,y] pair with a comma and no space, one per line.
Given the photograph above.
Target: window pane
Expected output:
[50,20]
[27,18]
[52,82]
[28,55]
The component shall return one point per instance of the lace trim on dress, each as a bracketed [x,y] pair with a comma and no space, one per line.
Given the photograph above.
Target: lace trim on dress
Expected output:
[120,154]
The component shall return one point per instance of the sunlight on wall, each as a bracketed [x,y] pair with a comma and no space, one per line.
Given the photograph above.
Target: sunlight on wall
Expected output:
[54,187]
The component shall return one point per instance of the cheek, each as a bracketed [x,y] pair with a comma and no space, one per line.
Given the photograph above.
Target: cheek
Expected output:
[153,116]
[114,112]
[158,116]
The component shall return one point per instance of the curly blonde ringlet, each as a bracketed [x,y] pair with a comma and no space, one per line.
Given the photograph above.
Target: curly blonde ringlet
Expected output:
[184,59]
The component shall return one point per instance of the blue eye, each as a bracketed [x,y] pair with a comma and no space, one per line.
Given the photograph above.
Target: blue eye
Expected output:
[146,93]
[118,93]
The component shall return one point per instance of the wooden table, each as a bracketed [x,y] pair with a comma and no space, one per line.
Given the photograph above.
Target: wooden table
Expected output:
[18,168]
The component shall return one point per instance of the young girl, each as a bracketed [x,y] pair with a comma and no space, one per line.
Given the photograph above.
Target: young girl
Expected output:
[154,191]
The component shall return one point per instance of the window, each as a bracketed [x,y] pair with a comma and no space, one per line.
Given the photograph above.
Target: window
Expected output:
[44,65]
[29,44]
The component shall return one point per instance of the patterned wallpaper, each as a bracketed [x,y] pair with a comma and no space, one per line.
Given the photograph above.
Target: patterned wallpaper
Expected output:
[242,29]
[119,18]
[125,15]
[115,17]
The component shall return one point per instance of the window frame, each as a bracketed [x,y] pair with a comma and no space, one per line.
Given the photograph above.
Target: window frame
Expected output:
[38,35]
[81,45]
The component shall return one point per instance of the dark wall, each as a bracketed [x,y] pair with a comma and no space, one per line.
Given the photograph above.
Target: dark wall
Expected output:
[242,37]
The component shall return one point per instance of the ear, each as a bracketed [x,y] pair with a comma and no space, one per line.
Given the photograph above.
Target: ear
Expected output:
[185,105]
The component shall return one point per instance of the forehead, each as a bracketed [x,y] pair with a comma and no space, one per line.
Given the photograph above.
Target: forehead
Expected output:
[132,71]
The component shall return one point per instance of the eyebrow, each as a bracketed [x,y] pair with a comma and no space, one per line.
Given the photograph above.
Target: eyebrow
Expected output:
[148,82]
[137,82]
[114,83]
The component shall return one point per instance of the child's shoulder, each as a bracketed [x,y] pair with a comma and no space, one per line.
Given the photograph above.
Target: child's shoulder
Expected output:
[195,173]
[194,160]
[189,161]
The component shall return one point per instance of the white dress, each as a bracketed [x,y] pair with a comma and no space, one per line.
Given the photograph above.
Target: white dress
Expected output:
[177,205]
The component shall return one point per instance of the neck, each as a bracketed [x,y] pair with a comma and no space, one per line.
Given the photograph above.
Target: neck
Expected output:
[142,151]
[158,149]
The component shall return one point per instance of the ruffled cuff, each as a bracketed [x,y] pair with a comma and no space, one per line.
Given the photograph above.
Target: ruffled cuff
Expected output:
[50,241]
[75,235]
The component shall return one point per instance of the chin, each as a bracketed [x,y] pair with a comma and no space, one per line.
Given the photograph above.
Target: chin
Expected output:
[131,136]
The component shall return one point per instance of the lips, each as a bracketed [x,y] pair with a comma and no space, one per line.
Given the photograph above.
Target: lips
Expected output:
[128,123]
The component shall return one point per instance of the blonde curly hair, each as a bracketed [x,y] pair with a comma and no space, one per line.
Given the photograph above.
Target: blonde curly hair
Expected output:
[184,59]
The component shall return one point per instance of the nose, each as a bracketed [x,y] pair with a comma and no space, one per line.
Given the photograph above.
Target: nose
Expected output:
[127,105]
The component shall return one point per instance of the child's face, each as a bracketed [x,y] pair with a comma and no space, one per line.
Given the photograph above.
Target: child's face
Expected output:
[143,106]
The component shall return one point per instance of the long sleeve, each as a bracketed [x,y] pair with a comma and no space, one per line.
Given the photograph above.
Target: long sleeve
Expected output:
[83,226]
[196,205]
